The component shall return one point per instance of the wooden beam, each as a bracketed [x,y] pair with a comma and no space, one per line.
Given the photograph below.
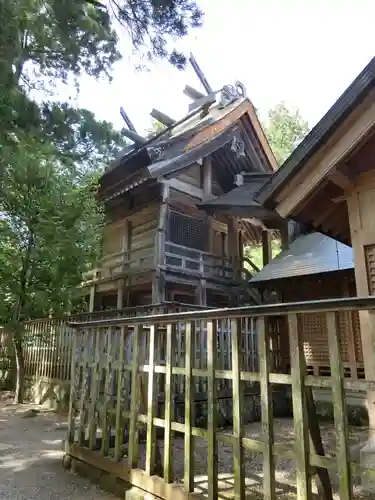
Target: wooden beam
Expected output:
[250,149]
[127,120]
[308,180]
[206,100]
[133,136]
[162,118]
[192,93]
[341,180]
[200,74]
[266,247]
[284,233]
[207,177]
[185,187]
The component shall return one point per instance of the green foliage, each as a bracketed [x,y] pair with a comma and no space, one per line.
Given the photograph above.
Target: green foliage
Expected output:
[79,137]
[45,40]
[51,153]
[151,24]
[254,253]
[49,232]
[285,129]
[156,128]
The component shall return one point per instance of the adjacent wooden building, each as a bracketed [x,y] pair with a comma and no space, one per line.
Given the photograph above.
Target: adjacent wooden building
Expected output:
[316,267]
[328,183]
[162,242]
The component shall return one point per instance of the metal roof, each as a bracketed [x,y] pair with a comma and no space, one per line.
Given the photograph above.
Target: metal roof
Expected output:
[346,103]
[312,253]
[241,196]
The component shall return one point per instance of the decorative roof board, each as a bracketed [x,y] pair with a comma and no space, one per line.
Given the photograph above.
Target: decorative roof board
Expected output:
[312,253]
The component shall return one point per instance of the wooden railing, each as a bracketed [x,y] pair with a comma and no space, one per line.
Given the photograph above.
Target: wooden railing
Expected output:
[197,262]
[178,257]
[113,397]
[123,262]
[48,341]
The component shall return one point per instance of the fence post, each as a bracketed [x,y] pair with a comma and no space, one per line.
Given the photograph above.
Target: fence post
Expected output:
[212,465]
[267,413]
[299,410]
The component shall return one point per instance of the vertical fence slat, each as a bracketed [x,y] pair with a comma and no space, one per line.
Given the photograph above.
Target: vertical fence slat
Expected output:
[299,410]
[107,395]
[266,408]
[46,344]
[119,393]
[134,404]
[84,387]
[237,403]
[211,411]
[95,377]
[150,440]
[189,413]
[72,397]
[168,440]
[339,409]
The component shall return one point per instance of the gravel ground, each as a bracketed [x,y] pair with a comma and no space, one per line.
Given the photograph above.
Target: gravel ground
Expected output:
[31,447]
[30,458]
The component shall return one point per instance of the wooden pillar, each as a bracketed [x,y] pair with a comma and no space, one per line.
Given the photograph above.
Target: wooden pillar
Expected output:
[92,298]
[201,293]
[362,229]
[349,326]
[233,249]
[240,245]
[207,177]
[284,233]
[266,247]
[207,193]
[126,243]
[120,294]
[158,284]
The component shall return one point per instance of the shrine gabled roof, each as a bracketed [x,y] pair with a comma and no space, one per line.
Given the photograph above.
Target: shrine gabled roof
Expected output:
[195,137]
[312,253]
[324,129]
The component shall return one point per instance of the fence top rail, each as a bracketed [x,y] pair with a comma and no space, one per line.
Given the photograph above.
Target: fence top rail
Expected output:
[281,309]
[75,317]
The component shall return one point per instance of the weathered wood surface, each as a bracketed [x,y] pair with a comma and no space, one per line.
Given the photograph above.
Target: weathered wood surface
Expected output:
[306,450]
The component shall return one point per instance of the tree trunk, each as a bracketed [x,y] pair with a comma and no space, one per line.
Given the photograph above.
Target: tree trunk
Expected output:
[20,364]
[17,323]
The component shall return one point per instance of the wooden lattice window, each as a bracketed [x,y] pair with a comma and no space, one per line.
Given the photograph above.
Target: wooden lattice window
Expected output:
[370,265]
[187,231]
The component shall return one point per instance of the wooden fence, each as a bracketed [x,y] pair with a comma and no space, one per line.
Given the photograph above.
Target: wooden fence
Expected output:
[125,434]
[48,345]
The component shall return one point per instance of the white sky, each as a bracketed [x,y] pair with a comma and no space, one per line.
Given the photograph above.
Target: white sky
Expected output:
[305,52]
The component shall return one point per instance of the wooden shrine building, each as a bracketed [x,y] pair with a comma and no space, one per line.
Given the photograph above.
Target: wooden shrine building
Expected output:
[160,243]
[328,184]
[316,267]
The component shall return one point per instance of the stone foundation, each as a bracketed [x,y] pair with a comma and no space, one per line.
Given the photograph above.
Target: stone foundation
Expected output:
[49,393]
